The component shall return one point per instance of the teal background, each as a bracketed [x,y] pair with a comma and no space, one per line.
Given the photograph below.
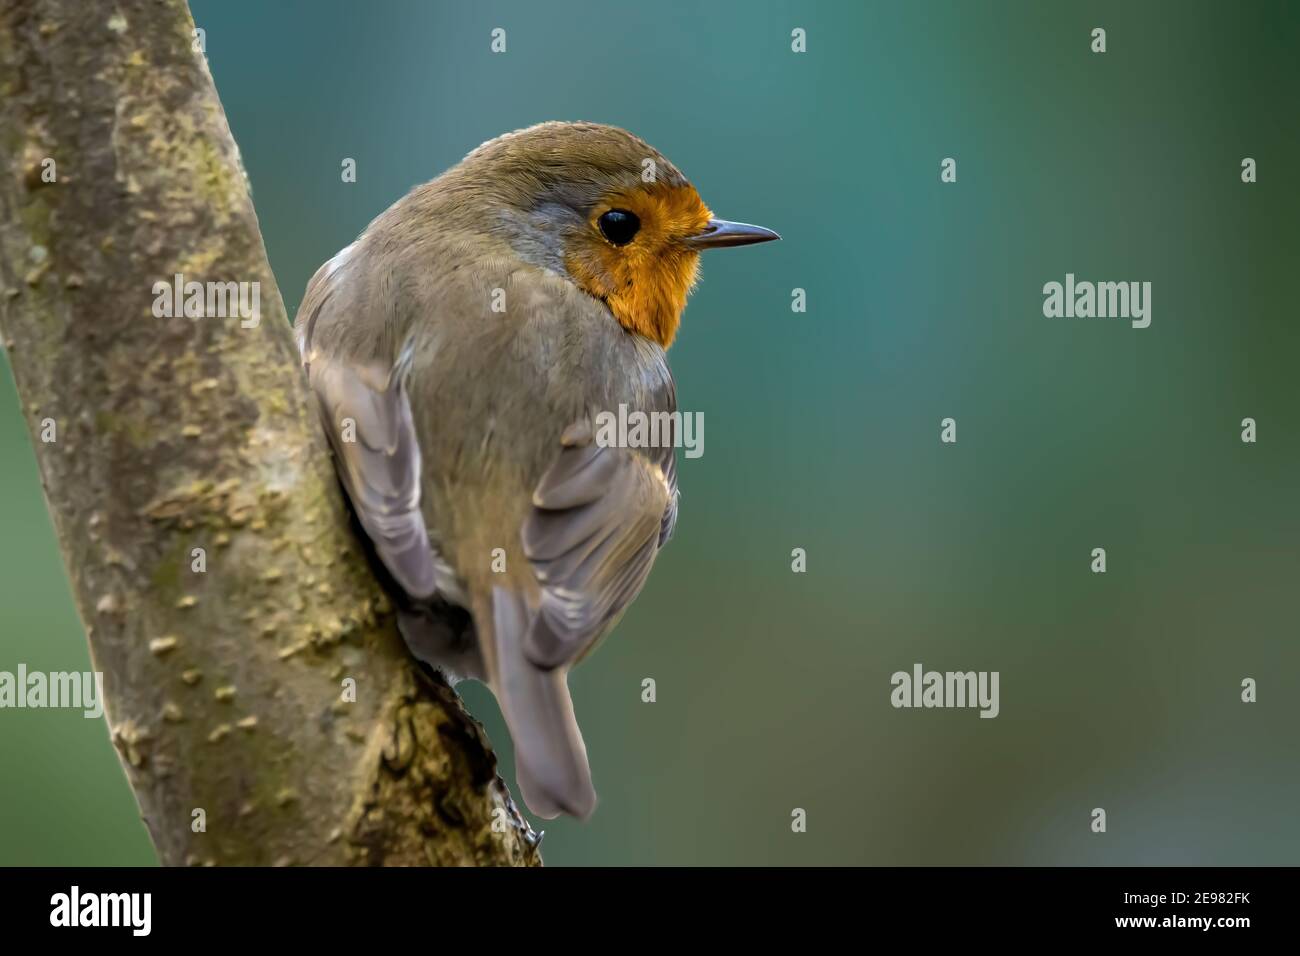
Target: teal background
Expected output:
[822,429]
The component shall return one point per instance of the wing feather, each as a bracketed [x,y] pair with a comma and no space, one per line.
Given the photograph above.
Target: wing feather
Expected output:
[600,515]
[366,411]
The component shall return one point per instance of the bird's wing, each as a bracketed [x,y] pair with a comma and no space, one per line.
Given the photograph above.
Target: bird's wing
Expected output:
[367,416]
[599,516]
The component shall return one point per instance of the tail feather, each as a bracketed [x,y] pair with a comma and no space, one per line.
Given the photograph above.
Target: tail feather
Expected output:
[550,758]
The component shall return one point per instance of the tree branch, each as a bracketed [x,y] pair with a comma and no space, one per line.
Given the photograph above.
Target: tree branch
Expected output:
[224,686]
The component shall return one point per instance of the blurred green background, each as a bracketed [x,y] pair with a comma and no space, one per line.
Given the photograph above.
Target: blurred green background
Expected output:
[1119,690]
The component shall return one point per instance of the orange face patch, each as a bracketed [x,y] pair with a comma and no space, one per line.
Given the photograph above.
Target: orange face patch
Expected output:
[645,282]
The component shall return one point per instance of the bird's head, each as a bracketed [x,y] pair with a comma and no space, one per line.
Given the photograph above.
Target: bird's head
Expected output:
[607,210]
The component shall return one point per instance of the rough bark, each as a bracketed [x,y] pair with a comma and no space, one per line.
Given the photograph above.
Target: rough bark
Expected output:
[224,687]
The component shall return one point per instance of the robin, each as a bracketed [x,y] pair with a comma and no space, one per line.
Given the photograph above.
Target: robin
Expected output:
[461,350]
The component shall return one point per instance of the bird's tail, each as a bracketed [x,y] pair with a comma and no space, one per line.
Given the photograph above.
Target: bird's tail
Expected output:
[550,757]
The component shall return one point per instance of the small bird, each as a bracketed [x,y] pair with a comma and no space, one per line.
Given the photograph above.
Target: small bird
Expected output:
[461,350]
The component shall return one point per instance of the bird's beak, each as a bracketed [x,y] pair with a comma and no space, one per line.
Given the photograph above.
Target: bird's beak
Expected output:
[720,233]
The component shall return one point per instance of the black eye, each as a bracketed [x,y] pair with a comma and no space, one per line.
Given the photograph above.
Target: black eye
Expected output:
[619,226]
